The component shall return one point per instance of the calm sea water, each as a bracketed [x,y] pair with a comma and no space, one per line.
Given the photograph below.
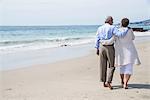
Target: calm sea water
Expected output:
[36,37]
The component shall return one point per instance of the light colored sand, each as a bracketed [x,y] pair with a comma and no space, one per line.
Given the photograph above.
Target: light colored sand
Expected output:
[75,79]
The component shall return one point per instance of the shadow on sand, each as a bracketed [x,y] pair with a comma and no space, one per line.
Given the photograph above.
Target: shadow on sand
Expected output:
[134,86]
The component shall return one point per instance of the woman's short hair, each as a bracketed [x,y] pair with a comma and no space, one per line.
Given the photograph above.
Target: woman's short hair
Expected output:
[125,22]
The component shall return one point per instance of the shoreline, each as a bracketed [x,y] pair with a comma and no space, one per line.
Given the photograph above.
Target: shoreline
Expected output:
[23,59]
[43,56]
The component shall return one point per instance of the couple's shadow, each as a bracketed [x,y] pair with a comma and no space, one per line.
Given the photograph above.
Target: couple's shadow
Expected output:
[134,86]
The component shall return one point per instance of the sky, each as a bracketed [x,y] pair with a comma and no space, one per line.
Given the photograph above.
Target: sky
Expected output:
[71,12]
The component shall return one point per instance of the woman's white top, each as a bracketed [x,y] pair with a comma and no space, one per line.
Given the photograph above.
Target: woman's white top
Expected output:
[125,51]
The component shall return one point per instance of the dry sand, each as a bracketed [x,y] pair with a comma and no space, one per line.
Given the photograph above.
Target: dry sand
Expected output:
[75,79]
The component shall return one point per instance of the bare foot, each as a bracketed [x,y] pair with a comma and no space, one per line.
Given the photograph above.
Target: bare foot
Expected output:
[125,86]
[109,85]
[105,85]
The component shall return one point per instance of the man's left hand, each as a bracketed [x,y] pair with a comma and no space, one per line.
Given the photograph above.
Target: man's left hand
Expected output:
[97,52]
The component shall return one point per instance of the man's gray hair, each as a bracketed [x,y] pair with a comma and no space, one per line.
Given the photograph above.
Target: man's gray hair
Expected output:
[109,18]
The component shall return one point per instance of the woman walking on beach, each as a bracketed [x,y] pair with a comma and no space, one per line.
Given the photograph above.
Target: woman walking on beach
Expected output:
[125,53]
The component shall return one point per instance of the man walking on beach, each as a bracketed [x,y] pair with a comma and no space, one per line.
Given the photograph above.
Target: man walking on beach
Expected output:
[107,52]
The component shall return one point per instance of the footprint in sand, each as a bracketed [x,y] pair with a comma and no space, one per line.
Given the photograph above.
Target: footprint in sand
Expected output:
[9,89]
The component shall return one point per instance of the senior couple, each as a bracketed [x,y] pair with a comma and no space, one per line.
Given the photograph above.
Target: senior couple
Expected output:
[115,48]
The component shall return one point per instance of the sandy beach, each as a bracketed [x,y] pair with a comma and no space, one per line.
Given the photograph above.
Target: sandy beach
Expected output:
[75,79]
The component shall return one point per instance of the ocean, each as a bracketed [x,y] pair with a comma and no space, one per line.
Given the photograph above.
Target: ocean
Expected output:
[38,37]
